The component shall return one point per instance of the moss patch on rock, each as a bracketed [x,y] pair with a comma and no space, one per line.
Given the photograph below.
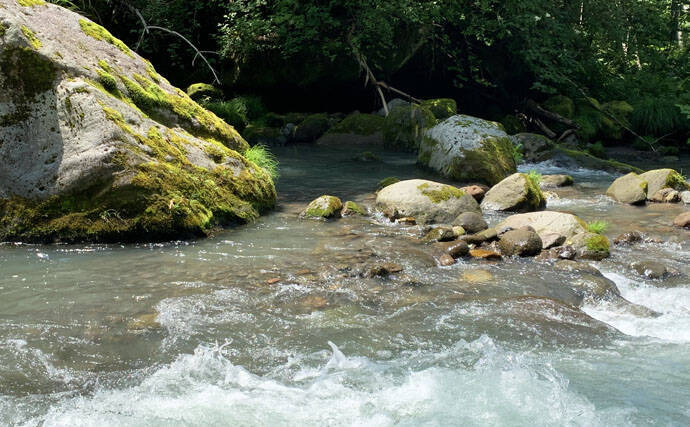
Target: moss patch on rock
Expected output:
[198,91]
[446,192]
[351,208]
[31,3]
[323,207]
[441,108]
[31,37]
[385,182]
[405,125]
[359,124]
[99,33]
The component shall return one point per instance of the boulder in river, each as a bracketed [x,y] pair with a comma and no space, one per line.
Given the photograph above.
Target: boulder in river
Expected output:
[546,222]
[472,222]
[660,179]
[404,127]
[521,242]
[97,146]
[323,207]
[517,193]
[665,195]
[555,181]
[650,269]
[427,201]
[590,246]
[685,197]
[630,189]
[465,148]
[682,220]
[535,148]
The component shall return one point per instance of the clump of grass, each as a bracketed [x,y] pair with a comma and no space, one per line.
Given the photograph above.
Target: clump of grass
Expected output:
[597,227]
[518,155]
[263,158]
[534,177]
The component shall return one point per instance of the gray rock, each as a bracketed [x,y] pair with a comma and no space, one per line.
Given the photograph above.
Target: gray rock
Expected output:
[630,189]
[665,195]
[427,201]
[439,234]
[522,242]
[488,235]
[472,222]
[550,240]
[535,147]
[650,269]
[685,197]
[514,194]
[469,149]
[590,246]
[546,222]
[628,238]
[456,249]
[659,179]
[555,181]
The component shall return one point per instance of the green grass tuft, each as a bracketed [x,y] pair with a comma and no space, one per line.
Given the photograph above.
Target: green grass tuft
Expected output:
[534,177]
[597,227]
[263,158]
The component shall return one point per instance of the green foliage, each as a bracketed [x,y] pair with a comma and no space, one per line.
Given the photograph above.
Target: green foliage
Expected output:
[597,227]
[238,112]
[534,177]
[657,116]
[597,150]
[263,158]
[518,153]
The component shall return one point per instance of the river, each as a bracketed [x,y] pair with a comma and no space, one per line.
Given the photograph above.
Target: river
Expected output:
[269,324]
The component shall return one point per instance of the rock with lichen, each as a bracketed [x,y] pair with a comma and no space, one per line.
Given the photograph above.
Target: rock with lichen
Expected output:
[630,189]
[323,207]
[468,149]
[97,146]
[427,201]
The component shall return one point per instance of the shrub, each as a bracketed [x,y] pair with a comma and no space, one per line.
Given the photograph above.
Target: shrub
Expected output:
[597,227]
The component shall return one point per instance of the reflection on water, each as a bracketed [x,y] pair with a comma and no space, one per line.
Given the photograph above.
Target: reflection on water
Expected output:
[272,323]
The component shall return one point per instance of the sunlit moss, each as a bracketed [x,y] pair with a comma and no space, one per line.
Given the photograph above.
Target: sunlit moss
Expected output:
[99,33]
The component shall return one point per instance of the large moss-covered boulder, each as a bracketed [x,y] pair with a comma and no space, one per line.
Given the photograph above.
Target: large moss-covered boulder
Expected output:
[98,146]
[312,128]
[427,201]
[630,188]
[535,147]
[465,148]
[404,127]
[517,193]
[660,179]
[441,108]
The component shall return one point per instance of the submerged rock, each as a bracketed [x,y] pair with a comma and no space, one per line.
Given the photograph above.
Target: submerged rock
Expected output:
[427,201]
[97,146]
[630,189]
[465,148]
[323,207]
[650,269]
[522,242]
[517,193]
[682,220]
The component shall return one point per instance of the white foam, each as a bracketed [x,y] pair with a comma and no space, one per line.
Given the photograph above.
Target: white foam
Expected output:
[673,303]
[205,388]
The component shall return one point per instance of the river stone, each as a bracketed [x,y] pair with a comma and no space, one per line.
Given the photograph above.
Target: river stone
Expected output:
[682,220]
[665,195]
[439,234]
[546,222]
[487,235]
[465,148]
[522,242]
[323,207]
[650,269]
[535,148]
[351,208]
[516,193]
[630,189]
[628,238]
[472,222]
[588,282]
[96,145]
[590,246]
[485,254]
[659,179]
[685,197]
[456,249]
[427,201]
[446,260]
[475,191]
[550,240]
[554,181]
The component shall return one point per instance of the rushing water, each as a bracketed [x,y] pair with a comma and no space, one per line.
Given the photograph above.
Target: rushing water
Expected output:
[269,324]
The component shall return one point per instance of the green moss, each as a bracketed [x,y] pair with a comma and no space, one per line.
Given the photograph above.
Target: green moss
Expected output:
[323,207]
[151,71]
[198,91]
[33,40]
[489,165]
[446,192]
[588,161]
[534,198]
[30,3]
[352,208]
[99,33]
[441,108]
[386,182]
[359,124]
[405,126]
[26,69]
[512,125]
[598,243]
[2,30]
[677,182]
[561,105]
